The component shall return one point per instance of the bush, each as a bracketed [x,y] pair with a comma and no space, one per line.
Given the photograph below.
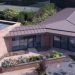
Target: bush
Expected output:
[44,12]
[9,14]
[41,69]
[56,54]
[21,60]
[35,58]
[8,63]
[29,18]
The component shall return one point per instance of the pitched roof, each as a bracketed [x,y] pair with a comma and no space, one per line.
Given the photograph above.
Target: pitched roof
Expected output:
[61,23]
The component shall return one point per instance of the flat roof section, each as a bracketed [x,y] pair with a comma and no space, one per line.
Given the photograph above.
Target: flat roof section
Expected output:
[4,24]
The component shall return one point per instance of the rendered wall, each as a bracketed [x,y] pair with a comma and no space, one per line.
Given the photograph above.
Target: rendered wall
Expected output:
[3,33]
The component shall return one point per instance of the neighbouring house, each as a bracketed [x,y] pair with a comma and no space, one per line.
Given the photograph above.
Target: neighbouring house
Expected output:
[58,31]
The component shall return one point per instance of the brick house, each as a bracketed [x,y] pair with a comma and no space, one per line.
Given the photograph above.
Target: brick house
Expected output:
[58,31]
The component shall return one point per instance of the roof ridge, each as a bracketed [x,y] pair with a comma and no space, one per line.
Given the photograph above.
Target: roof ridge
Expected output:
[70,17]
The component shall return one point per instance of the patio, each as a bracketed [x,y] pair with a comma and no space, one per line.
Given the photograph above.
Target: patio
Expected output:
[30,71]
[65,68]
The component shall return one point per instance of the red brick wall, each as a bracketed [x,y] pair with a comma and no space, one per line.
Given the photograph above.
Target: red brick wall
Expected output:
[8,42]
[46,40]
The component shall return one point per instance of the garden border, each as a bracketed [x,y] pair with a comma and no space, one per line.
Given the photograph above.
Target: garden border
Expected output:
[33,64]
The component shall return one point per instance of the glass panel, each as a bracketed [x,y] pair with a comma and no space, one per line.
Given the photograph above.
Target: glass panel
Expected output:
[25,42]
[30,43]
[64,42]
[57,41]
[72,44]
[15,43]
[15,48]
[19,43]
[37,43]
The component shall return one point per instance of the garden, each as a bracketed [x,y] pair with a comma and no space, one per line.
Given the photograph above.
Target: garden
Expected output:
[23,60]
[29,18]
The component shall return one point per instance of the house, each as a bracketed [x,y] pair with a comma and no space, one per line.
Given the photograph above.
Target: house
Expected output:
[58,31]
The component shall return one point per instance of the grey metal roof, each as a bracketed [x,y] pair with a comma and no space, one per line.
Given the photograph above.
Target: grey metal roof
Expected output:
[62,23]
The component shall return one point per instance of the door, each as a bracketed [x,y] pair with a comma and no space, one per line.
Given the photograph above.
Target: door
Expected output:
[30,43]
[72,44]
[64,42]
[56,41]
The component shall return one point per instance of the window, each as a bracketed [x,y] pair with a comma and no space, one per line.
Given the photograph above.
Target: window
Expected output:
[56,42]
[37,42]
[30,43]
[72,44]
[64,42]
[13,39]
[21,43]
[56,38]
[72,41]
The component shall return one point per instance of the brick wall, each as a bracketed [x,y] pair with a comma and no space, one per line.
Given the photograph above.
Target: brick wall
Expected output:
[46,41]
[8,42]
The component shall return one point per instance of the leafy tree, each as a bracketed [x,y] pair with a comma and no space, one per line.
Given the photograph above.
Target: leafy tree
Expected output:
[44,12]
[21,17]
[1,15]
[9,14]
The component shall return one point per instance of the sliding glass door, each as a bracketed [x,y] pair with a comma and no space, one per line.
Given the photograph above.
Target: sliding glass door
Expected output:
[64,42]
[56,42]
[60,42]
[37,41]
[30,42]
[23,42]
[72,44]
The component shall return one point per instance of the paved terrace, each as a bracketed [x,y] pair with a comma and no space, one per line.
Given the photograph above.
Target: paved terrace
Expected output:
[30,71]
[64,68]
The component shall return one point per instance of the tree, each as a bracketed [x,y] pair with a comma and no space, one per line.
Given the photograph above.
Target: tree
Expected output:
[21,17]
[9,14]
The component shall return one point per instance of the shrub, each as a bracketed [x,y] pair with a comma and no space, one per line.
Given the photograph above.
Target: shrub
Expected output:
[21,60]
[44,12]
[8,63]
[9,14]
[21,17]
[41,69]
[35,58]
[29,18]
[56,54]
